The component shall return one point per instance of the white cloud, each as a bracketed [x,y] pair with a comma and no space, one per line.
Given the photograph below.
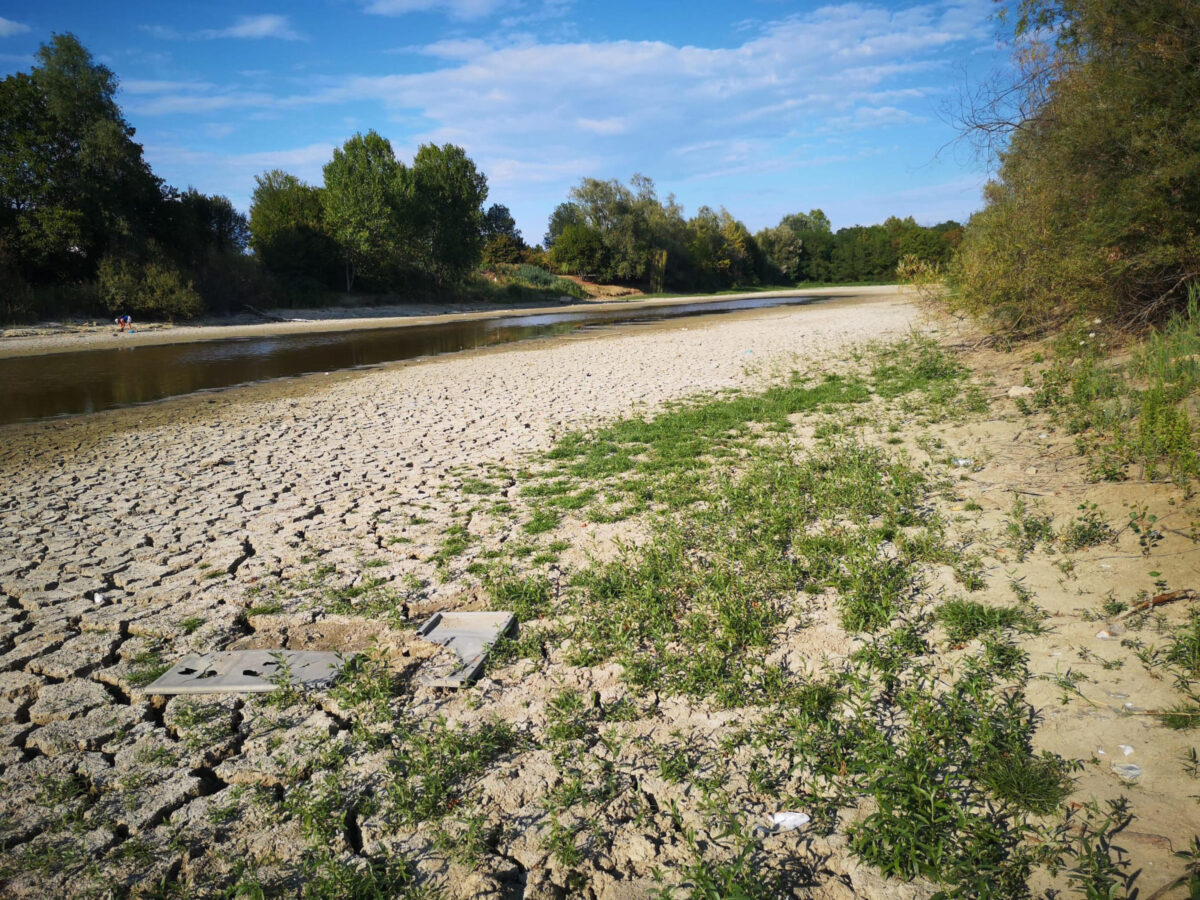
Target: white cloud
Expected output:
[244,27]
[612,125]
[465,10]
[256,28]
[8,27]
[796,94]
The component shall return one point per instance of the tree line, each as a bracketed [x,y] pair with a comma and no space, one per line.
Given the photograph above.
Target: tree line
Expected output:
[87,228]
[613,232]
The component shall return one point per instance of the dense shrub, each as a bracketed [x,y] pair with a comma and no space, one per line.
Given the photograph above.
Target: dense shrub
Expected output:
[1094,211]
[151,289]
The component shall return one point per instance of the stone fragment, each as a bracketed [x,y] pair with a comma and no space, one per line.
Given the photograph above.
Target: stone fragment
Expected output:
[278,749]
[68,700]
[140,799]
[89,732]
[19,684]
[30,646]
[76,657]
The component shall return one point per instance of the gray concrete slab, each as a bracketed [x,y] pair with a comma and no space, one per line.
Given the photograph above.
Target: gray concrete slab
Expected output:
[248,671]
[469,635]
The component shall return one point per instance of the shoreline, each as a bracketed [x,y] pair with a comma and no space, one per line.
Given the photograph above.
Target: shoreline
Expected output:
[332,319]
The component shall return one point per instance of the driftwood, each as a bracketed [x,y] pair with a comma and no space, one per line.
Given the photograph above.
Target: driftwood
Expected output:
[1159,600]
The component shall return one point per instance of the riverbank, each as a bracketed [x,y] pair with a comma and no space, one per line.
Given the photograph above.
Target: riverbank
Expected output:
[731,612]
[43,339]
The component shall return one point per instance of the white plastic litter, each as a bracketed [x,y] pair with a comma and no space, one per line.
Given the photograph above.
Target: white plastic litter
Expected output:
[1127,771]
[789,821]
[1125,748]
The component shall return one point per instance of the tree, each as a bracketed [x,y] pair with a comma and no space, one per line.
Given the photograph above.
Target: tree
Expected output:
[579,249]
[360,203]
[73,183]
[800,246]
[287,229]
[1095,204]
[198,225]
[445,193]
[502,241]
[564,214]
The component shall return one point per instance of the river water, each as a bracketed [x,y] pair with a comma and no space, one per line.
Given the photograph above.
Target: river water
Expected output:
[63,384]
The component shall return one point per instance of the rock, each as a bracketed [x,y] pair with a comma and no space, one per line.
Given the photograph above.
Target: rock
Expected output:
[142,799]
[277,751]
[68,700]
[1020,390]
[16,685]
[89,732]
[77,657]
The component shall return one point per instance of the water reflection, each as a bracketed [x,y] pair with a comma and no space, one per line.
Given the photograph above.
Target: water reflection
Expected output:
[39,387]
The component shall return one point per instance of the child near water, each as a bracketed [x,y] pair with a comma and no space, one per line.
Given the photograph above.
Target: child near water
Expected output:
[125,321]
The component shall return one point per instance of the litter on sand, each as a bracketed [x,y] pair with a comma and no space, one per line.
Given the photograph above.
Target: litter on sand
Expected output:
[1127,772]
[248,671]
[789,821]
[469,635]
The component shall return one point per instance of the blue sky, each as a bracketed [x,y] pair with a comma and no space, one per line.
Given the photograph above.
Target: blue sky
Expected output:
[765,107]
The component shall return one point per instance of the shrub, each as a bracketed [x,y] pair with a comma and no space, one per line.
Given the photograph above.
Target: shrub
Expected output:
[152,289]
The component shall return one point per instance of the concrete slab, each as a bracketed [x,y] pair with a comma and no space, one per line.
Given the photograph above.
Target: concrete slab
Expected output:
[248,671]
[469,635]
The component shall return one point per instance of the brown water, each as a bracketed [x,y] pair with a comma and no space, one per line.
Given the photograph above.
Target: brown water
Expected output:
[63,384]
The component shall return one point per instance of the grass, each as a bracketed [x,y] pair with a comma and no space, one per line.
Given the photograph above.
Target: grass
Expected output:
[1130,418]
[965,620]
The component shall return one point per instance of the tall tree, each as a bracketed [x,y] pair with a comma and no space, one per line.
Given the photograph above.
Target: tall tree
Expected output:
[1095,206]
[445,193]
[73,183]
[360,203]
[502,242]
[287,229]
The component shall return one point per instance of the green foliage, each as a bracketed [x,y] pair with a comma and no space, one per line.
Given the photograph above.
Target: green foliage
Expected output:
[803,247]
[81,204]
[618,233]
[359,202]
[443,194]
[965,620]
[153,289]
[288,231]
[502,242]
[74,182]
[1095,205]
[1136,414]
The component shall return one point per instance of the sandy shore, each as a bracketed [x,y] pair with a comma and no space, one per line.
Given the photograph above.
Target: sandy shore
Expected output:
[44,339]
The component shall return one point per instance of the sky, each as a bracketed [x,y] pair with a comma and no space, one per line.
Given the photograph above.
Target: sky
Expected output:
[765,107]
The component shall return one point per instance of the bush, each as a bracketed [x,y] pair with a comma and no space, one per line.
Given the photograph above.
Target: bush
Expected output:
[1095,206]
[151,289]
[535,276]
[229,281]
